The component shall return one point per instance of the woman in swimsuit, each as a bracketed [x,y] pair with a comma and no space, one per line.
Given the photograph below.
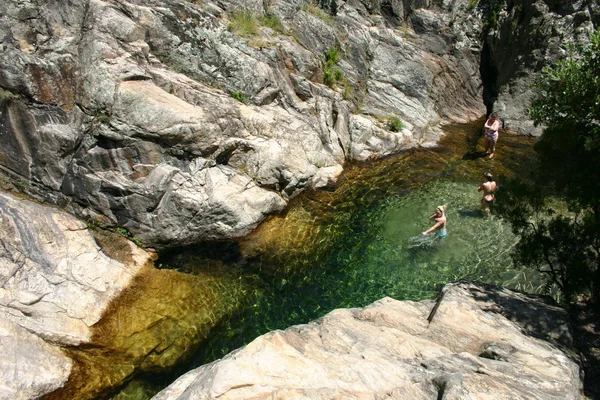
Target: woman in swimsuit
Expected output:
[491,126]
[488,186]
[440,222]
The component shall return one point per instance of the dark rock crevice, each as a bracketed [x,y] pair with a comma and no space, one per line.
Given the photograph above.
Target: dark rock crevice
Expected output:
[489,78]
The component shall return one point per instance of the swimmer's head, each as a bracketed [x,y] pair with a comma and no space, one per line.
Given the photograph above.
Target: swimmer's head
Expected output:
[488,176]
[441,209]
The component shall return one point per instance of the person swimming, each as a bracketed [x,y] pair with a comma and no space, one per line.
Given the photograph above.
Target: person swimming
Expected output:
[440,222]
[488,186]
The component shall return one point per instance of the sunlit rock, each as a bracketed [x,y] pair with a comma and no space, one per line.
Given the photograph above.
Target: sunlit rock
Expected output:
[56,282]
[158,322]
[96,295]
[162,118]
[474,342]
[29,367]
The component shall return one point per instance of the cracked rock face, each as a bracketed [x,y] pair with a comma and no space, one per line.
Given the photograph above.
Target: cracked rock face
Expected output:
[55,283]
[55,278]
[161,117]
[477,342]
[29,367]
[164,118]
[82,310]
[527,36]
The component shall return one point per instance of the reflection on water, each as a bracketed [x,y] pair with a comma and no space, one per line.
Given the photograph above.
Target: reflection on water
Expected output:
[361,242]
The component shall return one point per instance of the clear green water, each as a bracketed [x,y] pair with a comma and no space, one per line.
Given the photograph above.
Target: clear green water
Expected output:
[361,242]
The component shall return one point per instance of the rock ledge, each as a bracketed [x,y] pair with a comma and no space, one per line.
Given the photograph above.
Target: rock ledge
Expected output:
[476,341]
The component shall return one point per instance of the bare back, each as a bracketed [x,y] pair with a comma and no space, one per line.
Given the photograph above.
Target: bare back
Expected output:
[488,190]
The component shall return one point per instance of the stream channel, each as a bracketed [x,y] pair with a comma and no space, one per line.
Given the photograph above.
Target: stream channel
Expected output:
[351,246]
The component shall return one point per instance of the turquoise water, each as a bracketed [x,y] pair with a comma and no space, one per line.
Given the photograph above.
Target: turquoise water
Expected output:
[380,254]
[362,242]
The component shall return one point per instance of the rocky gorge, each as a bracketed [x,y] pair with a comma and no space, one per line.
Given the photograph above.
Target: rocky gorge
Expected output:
[171,123]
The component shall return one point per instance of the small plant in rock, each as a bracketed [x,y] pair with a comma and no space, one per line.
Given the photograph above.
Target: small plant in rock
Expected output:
[472,4]
[259,43]
[491,14]
[312,8]
[395,124]
[273,22]
[348,90]
[243,23]
[239,96]
[331,73]
[6,96]
[403,29]
[126,234]
[21,185]
[95,224]
[178,67]
[102,116]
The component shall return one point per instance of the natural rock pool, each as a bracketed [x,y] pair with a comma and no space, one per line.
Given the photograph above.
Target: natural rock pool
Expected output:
[361,242]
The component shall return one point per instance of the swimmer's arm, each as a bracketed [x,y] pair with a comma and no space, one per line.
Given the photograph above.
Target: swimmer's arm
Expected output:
[438,224]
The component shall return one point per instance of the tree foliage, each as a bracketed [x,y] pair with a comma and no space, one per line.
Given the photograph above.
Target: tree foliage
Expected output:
[563,242]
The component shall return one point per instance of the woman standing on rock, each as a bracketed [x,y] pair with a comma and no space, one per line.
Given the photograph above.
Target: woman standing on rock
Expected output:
[491,127]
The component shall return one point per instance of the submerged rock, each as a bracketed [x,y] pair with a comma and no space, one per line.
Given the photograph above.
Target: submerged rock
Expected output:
[56,279]
[84,310]
[157,323]
[56,282]
[476,341]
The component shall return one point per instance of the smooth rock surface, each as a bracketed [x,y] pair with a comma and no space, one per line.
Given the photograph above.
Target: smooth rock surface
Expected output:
[55,283]
[476,342]
[29,367]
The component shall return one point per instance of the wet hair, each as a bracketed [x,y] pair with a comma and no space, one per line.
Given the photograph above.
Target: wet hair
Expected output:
[488,176]
[442,208]
[494,115]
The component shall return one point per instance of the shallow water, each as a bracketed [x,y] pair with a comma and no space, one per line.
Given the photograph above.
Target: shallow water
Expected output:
[362,242]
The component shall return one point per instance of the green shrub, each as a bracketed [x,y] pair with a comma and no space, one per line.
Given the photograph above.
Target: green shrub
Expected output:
[348,90]
[102,116]
[491,14]
[6,96]
[333,55]
[126,234]
[314,9]
[239,96]
[243,23]
[273,22]
[395,124]
[331,73]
